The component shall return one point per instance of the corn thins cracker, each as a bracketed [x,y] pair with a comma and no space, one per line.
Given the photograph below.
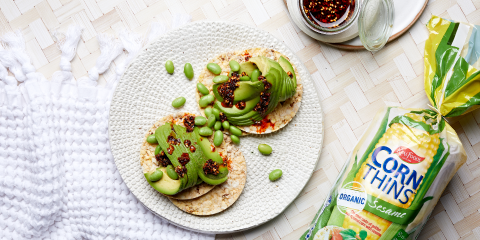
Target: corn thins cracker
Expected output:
[399,168]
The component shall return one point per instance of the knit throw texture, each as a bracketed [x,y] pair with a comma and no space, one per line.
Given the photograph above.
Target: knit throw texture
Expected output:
[58,179]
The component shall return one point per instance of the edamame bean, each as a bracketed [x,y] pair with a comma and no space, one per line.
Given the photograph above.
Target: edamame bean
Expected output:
[178,102]
[171,172]
[205,131]
[202,89]
[188,70]
[214,68]
[245,78]
[151,139]
[275,175]
[211,120]
[156,176]
[234,66]
[218,138]
[169,67]
[235,139]
[235,131]
[206,100]
[220,79]
[208,111]
[255,74]
[158,149]
[217,125]
[200,121]
[216,112]
[265,149]
[226,125]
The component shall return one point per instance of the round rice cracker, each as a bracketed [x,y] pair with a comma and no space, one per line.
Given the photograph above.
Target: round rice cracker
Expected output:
[225,194]
[281,115]
[150,164]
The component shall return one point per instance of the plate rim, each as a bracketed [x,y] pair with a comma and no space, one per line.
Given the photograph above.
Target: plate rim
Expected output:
[179,224]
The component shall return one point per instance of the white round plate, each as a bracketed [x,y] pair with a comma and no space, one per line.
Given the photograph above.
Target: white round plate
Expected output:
[406,13]
[144,95]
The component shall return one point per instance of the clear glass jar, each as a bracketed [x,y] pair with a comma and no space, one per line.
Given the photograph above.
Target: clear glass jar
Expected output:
[337,19]
[375,23]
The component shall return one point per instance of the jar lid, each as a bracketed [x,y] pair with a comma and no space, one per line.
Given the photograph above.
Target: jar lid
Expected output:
[375,23]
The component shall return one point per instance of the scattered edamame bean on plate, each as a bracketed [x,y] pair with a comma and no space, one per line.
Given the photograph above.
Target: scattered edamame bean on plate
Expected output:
[264,149]
[275,175]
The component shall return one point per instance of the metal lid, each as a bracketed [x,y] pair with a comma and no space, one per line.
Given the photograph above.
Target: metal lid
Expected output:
[375,23]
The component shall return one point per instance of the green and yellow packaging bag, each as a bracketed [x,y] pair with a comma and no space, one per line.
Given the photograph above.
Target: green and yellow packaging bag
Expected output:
[399,168]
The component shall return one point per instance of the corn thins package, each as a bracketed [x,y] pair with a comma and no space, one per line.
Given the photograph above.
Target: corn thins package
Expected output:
[398,170]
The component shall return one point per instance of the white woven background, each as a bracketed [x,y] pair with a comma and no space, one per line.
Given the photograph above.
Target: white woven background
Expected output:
[353,86]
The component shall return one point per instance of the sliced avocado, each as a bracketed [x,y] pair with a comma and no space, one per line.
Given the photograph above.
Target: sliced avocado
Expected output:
[287,67]
[234,111]
[246,119]
[215,92]
[247,67]
[181,133]
[207,153]
[247,91]
[166,185]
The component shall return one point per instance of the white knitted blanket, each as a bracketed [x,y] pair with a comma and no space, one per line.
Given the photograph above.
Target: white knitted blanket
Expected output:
[58,179]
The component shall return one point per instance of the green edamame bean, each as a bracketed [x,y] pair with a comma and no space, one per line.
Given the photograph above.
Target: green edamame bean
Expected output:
[245,78]
[178,102]
[202,89]
[156,176]
[226,125]
[158,149]
[216,112]
[214,68]
[220,79]
[235,139]
[151,139]
[208,111]
[206,100]
[234,66]
[265,149]
[235,131]
[218,138]
[171,172]
[275,175]
[205,131]
[200,121]
[217,125]
[188,70]
[169,67]
[211,120]
[255,74]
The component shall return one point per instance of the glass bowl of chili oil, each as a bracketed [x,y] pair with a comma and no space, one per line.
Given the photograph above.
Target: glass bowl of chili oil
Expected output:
[329,16]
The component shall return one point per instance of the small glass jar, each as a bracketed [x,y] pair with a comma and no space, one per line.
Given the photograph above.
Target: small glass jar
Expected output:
[375,23]
[329,16]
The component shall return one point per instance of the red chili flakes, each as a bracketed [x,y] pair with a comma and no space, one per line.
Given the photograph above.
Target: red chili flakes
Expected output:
[192,149]
[184,159]
[162,159]
[263,125]
[223,117]
[212,148]
[244,74]
[173,141]
[266,85]
[181,171]
[290,74]
[247,56]
[189,122]
[170,149]
[210,167]
[187,143]
[262,106]
[226,90]
[328,13]
[240,105]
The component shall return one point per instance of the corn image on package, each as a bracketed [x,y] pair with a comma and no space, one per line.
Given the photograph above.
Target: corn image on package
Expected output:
[398,170]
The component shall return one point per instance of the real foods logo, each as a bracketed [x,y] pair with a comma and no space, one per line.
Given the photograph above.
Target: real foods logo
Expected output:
[408,155]
[353,196]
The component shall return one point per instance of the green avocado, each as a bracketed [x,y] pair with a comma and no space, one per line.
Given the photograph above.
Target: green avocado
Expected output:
[247,91]
[166,185]
[247,67]
[206,148]
[290,86]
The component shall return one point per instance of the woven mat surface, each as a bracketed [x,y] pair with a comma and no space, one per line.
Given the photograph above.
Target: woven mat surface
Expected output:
[353,86]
